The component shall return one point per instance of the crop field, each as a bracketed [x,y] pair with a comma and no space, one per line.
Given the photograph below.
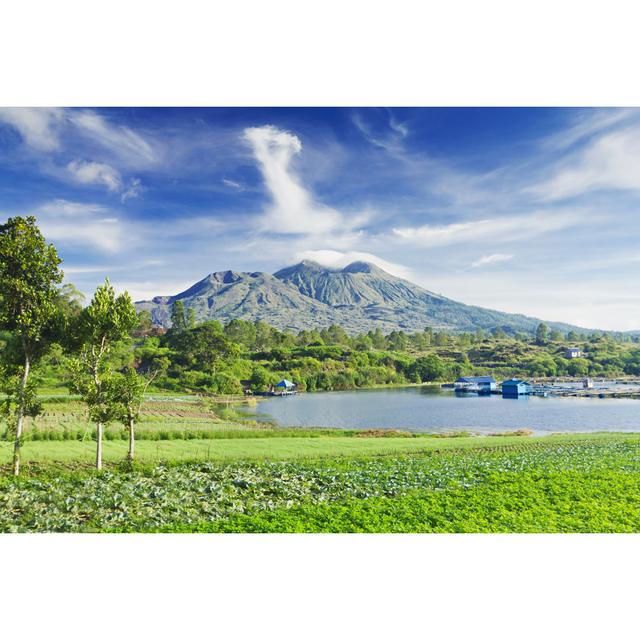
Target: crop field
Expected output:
[161,418]
[510,484]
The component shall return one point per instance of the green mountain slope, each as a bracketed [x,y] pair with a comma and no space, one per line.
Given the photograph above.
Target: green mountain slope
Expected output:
[307,295]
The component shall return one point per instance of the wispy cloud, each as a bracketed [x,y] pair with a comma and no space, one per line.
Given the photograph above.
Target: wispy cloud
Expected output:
[587,124]
[495,229]
[492,259]
[37,126]
[390,138]
[75,223]
[134,189]
[67,208]
[122,141]
[232,184]
[294,210]
[608,161]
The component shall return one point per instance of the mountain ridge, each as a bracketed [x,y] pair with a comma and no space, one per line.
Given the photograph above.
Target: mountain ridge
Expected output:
[359,297]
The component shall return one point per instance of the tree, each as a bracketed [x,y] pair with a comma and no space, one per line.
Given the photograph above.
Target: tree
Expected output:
[260,379]
[101,326]
[69,300]
[179,321]
[29,273]
[128,390]
[145,324]
[263,335]
[542,332]
[556,336]
[578,367]
[429,368]
[206,345]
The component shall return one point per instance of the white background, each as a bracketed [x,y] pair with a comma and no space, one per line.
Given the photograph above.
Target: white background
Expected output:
[243,53]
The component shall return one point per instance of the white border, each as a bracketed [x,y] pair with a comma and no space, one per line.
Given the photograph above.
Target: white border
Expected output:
[332,52]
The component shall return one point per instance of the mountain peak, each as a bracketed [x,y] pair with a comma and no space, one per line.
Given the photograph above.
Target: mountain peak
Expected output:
[304,266]
[359,266]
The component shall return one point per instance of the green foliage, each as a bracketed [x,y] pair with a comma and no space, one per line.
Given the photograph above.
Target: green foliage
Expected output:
[542,333]
[29,273]
[540,486]
[107,321]
[429,368]
[17,399]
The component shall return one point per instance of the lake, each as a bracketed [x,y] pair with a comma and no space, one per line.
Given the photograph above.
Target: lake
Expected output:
[431,409]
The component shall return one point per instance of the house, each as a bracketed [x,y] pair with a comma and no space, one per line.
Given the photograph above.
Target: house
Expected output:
[475,384]
[285,387]
[573,352]
[515,387]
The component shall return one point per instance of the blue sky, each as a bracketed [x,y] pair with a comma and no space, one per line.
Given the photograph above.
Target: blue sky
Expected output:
[525,210]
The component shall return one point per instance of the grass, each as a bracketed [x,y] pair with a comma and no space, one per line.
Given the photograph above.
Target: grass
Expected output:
[285,448]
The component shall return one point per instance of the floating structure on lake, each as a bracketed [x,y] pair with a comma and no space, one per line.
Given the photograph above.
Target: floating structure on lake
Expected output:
[284,388]
[515,387]
[475,384]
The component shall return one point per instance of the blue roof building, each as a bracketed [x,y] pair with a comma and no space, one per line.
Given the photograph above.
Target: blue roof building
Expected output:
[515,387]
[475,384]
[285,384]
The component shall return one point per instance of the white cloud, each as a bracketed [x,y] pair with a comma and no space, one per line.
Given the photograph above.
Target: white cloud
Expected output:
[80,224]
[95,173]
[399,127]
[128,145]
[491,259]
[146,290]
[67,208]
[586,125]
[100,234]
[134,189]
[340,259]
[293,209]
[232,184]
[496,229]
[608,162]
[37,126]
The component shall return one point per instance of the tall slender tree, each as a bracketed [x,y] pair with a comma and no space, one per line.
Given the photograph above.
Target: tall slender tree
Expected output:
[129,389]
[107,321]
[29,273]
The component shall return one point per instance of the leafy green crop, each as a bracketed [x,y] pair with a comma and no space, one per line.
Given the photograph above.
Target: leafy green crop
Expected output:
[591,486]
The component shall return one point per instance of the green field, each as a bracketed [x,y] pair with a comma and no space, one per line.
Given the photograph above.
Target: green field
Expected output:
[332,484]
[285,448]
[201,468]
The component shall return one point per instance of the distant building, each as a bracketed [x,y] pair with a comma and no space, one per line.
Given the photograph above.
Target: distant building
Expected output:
[285,387]
[515,387]
[573,352]
[475,384]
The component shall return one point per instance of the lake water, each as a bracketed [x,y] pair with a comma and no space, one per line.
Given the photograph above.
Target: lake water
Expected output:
[431,409]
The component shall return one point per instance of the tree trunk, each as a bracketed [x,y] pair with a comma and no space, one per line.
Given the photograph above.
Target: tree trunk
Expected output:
[132,440]
[20,417]
[99,446]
